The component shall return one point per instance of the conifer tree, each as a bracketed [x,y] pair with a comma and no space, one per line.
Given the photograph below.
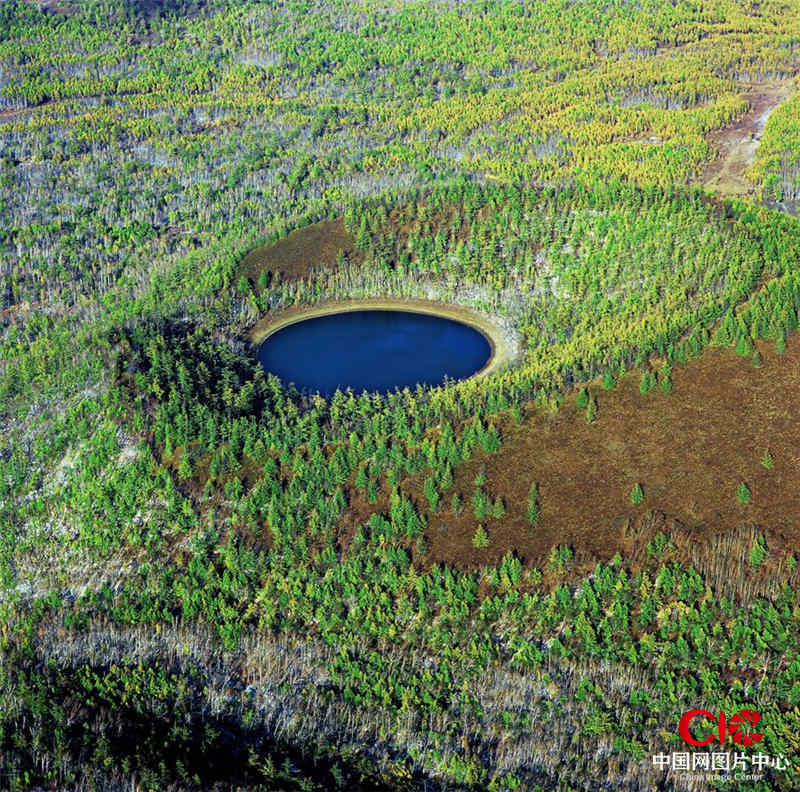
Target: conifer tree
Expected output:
[758,553]
[743,493]
[480,539]
[498,509]
[608,381]
[431,493]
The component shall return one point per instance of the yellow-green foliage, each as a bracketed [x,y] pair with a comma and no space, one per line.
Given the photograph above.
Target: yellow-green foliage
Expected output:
[777,165]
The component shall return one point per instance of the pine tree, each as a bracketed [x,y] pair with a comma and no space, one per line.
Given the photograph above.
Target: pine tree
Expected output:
[637,494]
[591,410]
[744,346]
[743,493]
[446,482]
[431,493]
[583,399]
[498,509]
[481,539]
[185,466]
[363,238]
[759,552]
[481,504]
[767,461]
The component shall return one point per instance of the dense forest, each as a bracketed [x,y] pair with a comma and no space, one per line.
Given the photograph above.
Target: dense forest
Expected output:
[212,580]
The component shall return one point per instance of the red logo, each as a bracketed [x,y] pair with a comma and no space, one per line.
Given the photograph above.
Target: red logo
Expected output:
[735,727]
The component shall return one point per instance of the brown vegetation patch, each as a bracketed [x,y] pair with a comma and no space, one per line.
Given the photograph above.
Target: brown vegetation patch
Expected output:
[301,252]
[10,113]
[736,144]
[688,449]
[311,248]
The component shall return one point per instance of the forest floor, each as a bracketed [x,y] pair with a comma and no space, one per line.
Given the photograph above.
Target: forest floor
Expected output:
[736,144]
[689,449]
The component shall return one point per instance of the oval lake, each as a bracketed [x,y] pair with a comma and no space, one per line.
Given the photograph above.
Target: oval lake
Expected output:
[373,350]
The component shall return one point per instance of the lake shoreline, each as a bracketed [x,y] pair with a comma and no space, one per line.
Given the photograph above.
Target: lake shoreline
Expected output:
[501,352]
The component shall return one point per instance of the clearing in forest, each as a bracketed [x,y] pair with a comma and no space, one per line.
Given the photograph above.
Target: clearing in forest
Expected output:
[736,144]
[689,450]
[299,253]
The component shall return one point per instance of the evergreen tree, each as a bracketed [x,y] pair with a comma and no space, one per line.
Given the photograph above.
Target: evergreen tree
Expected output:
[744,346]
[743,493]
[498,509]
[446,481]
[431,493]
[647,382]
[480,539]
[482,504]
[759,552]
[185,466]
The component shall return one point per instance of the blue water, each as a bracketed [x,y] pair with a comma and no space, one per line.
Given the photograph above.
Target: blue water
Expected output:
[373,350]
